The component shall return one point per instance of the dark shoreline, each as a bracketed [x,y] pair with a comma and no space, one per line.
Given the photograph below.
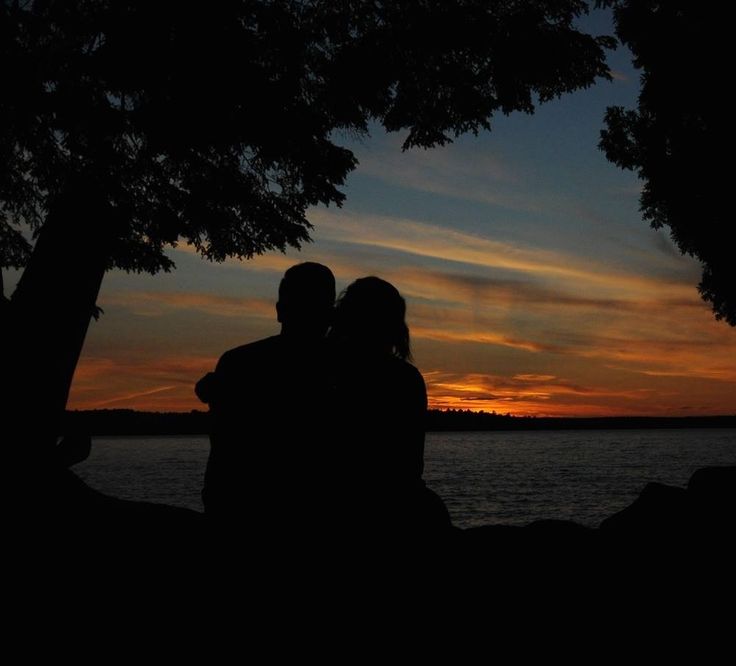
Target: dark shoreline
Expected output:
[131,422]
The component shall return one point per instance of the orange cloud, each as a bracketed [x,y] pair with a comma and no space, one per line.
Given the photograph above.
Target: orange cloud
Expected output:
[163,384]
[435,242]
[527,395]
[482,338]
[534,378]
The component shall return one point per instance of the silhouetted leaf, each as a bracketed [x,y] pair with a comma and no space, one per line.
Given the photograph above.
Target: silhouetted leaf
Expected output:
[215,124]
[679,138]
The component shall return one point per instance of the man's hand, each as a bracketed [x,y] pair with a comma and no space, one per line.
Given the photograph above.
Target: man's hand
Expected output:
[206,388]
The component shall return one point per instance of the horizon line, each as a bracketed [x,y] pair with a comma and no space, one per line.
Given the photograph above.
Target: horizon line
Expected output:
[443,411]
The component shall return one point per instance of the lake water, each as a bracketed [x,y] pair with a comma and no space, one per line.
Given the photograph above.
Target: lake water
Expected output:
[485,478]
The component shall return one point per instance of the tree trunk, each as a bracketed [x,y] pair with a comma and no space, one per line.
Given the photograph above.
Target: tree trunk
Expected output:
[47,320]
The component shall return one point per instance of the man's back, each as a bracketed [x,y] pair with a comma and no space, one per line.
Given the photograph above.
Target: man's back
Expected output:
[268,401]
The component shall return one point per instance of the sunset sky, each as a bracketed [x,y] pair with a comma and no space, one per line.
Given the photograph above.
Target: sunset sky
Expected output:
[533,286]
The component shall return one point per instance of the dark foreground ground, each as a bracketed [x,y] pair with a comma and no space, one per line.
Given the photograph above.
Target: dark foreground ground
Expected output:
[81,566]
[85,570]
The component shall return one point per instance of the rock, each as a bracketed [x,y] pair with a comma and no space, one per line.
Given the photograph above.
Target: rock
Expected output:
[678,527]
[659,510]
[559,527]
[712,495]
[63,516]
[713,491]
[72,449]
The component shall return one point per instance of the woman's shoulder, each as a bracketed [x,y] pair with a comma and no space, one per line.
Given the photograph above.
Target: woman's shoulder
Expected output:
[405,372]
[387,369]
[410,370]
[407,386]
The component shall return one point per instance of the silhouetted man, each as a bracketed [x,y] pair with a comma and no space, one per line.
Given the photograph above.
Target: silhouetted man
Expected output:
[268,401]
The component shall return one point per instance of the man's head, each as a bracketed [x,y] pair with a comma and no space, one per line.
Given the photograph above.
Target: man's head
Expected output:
[306,300]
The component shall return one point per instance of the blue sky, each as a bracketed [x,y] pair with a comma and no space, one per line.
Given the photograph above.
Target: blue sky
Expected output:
[533,285]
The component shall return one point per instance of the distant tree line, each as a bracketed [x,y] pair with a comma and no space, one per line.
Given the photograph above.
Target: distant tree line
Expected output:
[133,423]
[464,420]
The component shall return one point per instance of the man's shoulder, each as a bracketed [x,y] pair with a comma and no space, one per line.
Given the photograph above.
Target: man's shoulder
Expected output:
[254,352]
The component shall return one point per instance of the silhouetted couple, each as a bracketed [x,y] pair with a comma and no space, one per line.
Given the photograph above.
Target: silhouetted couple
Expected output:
[320,430]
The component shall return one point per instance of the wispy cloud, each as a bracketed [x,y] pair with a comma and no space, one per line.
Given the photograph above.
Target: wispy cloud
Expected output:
[142,382]
[481,338]
[449,245]
[153,303]
[618,75]
[500,260]
[448,171]
[130,397]
[530,291]
[534,378]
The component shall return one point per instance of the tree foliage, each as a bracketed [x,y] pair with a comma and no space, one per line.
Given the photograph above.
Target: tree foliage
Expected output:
[217,123]
[679,135]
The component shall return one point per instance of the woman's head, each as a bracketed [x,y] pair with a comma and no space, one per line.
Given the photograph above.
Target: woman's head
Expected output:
[370,313]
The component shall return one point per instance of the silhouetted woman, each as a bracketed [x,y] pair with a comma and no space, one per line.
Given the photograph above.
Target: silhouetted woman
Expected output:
[381,401]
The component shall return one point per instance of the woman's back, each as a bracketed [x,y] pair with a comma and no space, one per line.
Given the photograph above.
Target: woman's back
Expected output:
[380,402]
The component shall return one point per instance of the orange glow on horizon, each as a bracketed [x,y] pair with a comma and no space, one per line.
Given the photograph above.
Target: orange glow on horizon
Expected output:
[550,396]
[521,410]
[167,385]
